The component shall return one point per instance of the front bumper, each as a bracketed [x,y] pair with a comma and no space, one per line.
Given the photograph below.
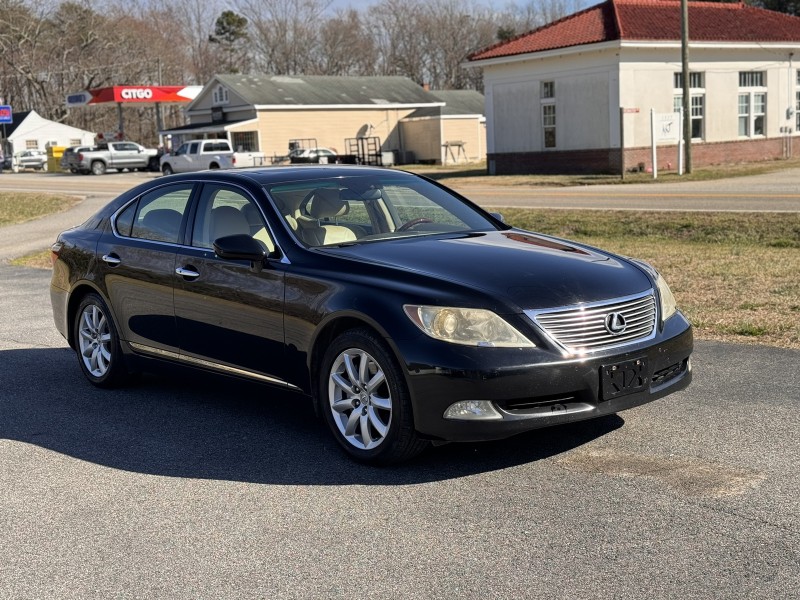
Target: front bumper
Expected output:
[539,388]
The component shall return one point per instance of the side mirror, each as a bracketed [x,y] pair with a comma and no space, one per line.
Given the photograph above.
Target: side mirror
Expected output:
[240,247]
[498,216]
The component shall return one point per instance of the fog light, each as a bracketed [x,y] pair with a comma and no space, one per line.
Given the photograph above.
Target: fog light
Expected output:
[472,410]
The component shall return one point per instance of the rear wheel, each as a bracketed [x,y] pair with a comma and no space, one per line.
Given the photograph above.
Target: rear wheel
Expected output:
[97,344]
[365,400]
[98,167]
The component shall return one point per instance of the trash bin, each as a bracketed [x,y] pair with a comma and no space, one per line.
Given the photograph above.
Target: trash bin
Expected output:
[54,154]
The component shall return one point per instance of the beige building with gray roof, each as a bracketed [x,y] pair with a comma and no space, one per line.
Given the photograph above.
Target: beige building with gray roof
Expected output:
[347,114]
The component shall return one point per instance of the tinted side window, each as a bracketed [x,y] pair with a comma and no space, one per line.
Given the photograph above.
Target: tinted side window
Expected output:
[156,216]
[223,211]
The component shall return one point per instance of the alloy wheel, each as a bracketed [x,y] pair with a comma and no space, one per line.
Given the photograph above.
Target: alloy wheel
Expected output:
[94,340]
[359,398]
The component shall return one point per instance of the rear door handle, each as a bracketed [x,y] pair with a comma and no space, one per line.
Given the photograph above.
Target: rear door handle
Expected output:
[111,260]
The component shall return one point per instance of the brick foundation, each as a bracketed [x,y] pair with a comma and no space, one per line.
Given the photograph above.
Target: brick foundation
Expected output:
[607,160]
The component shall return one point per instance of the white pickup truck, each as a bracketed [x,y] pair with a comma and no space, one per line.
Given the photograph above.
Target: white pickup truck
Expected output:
[198,155]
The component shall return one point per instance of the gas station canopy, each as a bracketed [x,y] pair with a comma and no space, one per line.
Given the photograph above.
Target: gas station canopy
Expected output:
[135,94]
[155,95]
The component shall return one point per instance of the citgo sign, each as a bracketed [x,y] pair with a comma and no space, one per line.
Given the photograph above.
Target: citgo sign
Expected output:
[136,93]
[6,116]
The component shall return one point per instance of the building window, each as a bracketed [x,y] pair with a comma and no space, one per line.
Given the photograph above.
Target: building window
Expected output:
[697,98]
[31,144]
[696,80]
[220,95]
[698,113]
[549,125]
[752,104]
[797,112]
[751,78]
[744,115]
[75,142]
[548,99]
[245,141]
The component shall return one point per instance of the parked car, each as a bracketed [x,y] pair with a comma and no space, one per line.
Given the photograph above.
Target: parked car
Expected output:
[406,312]
[30,159]
[71,159]
[198,155]
[312,155]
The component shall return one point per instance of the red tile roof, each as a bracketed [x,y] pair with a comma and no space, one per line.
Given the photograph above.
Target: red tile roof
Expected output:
[655,20]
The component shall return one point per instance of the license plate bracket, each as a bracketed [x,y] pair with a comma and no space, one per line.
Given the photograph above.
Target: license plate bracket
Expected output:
[623,378]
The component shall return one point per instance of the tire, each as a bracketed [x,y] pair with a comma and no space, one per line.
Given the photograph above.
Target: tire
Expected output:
[98,167]
[364,399]
[97,344]
[213,166]
[166,169]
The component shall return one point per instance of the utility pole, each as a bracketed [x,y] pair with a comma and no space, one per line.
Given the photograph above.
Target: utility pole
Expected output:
[687,99]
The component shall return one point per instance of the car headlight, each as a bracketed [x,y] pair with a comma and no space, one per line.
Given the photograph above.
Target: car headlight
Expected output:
[668,305]
[467,326]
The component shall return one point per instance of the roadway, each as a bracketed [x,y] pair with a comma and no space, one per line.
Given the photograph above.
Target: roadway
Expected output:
[773,192]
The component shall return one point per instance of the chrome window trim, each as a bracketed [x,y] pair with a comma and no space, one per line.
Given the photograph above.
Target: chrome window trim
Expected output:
[193,182]
[533,315]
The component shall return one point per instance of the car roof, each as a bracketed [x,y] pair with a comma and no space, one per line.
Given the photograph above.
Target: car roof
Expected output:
[288,173]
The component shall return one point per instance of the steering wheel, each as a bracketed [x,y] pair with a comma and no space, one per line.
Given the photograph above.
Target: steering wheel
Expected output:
[412,222]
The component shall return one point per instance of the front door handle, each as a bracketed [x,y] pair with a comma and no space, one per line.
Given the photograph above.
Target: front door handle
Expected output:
[112,260]
[187,272]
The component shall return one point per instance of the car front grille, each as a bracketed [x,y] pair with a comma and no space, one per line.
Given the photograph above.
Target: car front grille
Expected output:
[594,327]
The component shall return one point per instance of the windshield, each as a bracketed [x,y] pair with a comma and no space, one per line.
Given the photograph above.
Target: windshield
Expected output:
[344,210]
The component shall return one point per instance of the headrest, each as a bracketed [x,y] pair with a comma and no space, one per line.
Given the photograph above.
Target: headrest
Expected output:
[326,203]
[226,220]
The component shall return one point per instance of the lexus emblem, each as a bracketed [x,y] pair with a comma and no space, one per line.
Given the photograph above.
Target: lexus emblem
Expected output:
[615,323]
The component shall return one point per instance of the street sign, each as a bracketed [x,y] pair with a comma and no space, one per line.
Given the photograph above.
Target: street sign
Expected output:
[6,115]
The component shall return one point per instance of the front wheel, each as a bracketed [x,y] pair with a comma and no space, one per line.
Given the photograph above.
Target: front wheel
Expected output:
[365,400]
[97,344]
[166,169]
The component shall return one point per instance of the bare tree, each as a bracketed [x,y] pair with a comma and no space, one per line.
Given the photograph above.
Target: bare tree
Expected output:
[395,27]
[345,47]
[50,48]
[285,33]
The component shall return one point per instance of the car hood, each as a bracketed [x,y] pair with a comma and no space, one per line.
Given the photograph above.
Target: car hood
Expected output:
[532,271]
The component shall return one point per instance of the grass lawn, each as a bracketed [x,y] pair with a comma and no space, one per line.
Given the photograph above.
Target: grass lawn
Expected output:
[735,275]
[18,207]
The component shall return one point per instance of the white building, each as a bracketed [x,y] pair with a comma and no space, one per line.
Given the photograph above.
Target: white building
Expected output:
[563,97]
[31,131]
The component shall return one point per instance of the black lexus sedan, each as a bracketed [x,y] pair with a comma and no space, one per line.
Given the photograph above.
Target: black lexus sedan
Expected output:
[407,313]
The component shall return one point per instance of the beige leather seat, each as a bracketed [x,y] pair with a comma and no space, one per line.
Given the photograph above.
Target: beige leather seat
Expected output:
[325,204]
[227,220]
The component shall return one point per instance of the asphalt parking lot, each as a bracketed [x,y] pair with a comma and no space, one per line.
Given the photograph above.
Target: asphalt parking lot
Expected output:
[187,486]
